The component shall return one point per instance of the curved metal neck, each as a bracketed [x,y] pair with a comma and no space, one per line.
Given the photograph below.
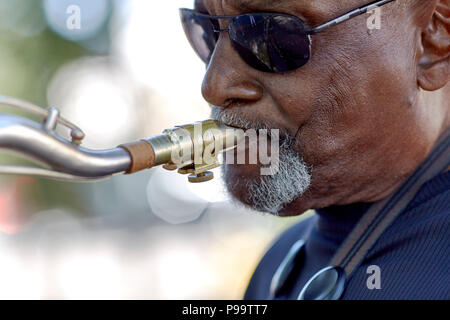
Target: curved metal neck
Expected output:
[67,160]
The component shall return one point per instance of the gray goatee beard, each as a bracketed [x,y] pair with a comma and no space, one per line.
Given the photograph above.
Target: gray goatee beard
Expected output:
[269,193]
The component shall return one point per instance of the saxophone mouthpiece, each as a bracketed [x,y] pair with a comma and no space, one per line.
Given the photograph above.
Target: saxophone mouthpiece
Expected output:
[191,149]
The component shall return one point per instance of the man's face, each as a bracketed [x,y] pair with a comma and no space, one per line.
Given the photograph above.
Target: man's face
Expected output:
[350,110]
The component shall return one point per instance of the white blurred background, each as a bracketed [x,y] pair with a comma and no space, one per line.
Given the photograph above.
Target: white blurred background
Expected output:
[128,73]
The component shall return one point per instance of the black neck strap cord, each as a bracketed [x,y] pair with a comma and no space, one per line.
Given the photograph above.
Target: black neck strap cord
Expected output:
[329,283]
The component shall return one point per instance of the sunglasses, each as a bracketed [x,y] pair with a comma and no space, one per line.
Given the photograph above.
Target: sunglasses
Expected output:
[268,42]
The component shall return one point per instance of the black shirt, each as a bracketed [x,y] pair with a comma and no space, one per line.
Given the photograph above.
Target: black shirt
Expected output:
[412,254]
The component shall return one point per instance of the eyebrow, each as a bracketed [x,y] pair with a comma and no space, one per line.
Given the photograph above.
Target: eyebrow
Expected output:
[245,4]
[250,4]
[257,5]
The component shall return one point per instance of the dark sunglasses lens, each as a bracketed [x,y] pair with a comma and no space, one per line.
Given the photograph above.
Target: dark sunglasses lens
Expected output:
[199,30]
[271,43]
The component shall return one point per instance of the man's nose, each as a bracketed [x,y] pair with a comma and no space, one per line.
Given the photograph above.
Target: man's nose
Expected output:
[228,78]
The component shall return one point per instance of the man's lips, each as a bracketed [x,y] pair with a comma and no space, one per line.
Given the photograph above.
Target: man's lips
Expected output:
[251,126]
[235,126]
[234,120]
[238,122]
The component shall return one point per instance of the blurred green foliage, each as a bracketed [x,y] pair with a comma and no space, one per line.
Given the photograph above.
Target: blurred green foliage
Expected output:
[30,54]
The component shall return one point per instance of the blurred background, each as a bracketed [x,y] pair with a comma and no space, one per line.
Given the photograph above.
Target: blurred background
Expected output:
[127,73]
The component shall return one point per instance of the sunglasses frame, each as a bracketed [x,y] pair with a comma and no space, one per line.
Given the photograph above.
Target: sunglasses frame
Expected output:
[340,19]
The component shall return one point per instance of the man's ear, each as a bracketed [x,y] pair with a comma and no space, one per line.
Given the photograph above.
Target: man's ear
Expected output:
[434,61]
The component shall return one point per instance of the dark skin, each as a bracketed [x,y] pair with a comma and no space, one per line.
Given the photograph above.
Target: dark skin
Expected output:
[365,111]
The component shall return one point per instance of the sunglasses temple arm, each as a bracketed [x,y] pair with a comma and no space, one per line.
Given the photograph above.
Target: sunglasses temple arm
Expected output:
[349,15]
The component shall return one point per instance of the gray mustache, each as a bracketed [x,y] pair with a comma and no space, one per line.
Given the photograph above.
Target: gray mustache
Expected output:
[233,120]
[222,115]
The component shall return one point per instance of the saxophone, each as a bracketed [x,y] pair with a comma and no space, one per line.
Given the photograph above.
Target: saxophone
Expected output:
[191,149]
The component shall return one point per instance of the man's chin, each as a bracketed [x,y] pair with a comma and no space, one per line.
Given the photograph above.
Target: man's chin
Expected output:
[244,184]
[268,188]
[237,180]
